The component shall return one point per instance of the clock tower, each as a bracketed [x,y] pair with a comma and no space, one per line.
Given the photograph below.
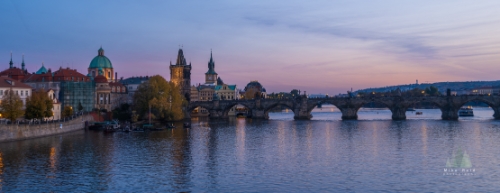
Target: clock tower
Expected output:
[211,75]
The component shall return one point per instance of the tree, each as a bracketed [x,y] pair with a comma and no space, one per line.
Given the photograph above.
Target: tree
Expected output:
[163,97]
[68,111]
[432,91]
[11,106]
[122,112]
[414,92]
[38,105]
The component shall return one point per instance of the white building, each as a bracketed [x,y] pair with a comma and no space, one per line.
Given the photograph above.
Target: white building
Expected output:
[22,90]
[56,106]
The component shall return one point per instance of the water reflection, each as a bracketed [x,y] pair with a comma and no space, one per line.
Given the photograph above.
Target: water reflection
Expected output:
[242,155]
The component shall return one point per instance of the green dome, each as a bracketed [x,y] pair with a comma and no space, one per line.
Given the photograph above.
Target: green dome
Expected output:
[100,61]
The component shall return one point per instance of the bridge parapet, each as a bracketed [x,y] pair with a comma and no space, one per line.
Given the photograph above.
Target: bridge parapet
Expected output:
[349,106]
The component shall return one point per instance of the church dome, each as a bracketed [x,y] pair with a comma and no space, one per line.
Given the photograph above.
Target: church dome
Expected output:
[100,61]
[256,85]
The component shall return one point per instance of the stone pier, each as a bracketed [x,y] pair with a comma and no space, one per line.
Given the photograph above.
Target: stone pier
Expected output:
[349,113]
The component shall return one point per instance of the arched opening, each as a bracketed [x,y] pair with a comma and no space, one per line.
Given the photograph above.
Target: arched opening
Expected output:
[423,110]
[326,111]
[199,112]
[280,112]
[475,109]
[374,110]
[238,111]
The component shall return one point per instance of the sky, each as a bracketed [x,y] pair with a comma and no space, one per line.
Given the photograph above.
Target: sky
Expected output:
[318,46]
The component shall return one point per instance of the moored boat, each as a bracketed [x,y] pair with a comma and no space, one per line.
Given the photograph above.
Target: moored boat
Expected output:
[466,112]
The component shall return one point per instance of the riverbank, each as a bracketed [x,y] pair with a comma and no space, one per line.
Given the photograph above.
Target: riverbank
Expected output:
[14,132]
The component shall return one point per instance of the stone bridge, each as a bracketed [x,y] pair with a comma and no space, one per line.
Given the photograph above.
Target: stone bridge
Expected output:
[302,106]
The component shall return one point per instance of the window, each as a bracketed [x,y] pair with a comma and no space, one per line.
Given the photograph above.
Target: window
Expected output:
[1,92]
[109,74]
[17,92]
[22,93]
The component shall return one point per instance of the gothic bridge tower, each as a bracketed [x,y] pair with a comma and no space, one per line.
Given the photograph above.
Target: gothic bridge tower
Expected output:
[180,74]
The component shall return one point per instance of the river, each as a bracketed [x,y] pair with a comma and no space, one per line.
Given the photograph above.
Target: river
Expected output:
[325,154]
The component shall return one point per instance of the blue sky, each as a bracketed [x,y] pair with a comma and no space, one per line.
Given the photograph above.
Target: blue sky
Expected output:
[317,46]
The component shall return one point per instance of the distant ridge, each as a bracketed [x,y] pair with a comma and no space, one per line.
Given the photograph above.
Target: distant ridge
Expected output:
[442,86]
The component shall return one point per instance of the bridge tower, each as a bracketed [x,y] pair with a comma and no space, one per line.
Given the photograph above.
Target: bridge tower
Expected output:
[180,75]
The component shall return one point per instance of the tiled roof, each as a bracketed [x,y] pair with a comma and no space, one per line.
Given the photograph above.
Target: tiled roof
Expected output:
[230,87]
[47,77]
[67,74]
[7,82]
[100,79]
[200,87]
[14,72]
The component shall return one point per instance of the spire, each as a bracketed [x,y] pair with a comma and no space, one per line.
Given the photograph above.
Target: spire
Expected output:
[100,52]
[180,58]
[11,63]
[211,59]
[211,65]
[22,64]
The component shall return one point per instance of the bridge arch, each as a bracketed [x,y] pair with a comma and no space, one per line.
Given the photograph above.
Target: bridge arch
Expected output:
[479,99]
[193,105]
[488,100]
[228,107]
[288,105]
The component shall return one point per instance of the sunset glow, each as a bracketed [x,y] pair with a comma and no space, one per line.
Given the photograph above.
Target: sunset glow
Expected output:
[320,47]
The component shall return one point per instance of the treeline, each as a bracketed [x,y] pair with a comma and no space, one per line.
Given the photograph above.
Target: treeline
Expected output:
[157,99]
[38,106]
[429,91]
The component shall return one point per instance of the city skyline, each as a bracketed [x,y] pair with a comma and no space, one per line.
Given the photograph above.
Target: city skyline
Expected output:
[323,47]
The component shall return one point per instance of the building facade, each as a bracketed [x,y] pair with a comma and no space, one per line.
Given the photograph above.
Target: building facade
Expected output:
[10,85]
[56,106]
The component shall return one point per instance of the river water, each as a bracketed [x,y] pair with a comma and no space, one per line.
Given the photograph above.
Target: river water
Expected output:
[325,154]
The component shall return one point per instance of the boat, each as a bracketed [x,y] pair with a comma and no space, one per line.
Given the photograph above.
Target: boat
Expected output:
[110,128]
[466,112]
[187,125]
[151,127]
[410,109]
[170,126]
[418,113]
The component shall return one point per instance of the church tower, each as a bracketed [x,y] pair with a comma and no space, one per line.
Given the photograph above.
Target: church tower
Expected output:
[180,74]
[211,75]
[101,64]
